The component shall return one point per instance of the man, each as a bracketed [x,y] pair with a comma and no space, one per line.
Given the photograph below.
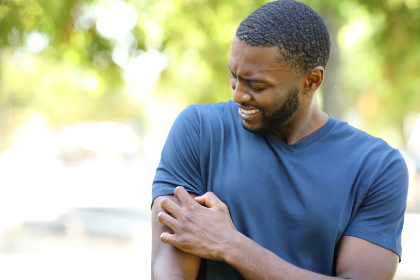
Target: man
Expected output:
[273,187]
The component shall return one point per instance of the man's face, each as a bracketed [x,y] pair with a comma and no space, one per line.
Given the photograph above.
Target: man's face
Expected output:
[266,91]
[282,112]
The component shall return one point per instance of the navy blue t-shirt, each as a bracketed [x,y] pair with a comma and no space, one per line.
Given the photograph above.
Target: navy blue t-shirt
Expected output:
[294,200]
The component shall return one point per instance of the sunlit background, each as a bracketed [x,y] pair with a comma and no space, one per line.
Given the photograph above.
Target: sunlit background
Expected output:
[89,90]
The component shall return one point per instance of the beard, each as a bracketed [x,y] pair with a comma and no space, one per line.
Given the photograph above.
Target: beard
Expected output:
[280,115]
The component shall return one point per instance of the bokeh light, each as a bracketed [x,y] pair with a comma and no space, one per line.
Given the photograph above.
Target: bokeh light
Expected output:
[89,90]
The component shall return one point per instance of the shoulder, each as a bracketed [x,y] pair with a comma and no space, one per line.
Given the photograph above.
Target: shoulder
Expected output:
[358,140]
[370,153]
[375,155]
[214,110]
[343,129]
[209,115]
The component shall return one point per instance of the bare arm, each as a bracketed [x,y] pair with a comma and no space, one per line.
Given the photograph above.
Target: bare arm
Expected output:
[169,262]
[357,259]
[361,259]
[209,233]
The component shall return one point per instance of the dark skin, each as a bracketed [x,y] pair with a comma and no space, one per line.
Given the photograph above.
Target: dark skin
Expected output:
[201,227]
[169,262]
[275,79]
[208,232]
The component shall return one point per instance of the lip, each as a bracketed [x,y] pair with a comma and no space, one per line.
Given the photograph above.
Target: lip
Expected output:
[247,107]
[247,116]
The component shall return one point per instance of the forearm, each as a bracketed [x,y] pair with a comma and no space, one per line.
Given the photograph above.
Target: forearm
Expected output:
[253,261]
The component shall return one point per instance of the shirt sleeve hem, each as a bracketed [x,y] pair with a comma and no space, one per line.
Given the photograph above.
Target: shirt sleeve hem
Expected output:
[168,189]
[377,239]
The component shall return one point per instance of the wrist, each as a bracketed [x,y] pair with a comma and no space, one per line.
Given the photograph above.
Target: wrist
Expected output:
[236,242]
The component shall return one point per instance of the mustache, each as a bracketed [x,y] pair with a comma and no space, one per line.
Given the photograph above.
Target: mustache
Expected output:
[246,105]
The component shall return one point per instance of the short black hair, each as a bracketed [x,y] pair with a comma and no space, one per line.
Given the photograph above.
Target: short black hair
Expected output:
[294,27]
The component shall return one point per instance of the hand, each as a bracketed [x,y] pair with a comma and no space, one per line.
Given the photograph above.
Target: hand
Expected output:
[205,232]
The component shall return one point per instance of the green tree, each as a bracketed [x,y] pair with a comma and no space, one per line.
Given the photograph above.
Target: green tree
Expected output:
[373,64]
[380,69]
[55,62]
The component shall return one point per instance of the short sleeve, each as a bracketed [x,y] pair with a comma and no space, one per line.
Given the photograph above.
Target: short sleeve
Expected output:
[380,217]
[180,159]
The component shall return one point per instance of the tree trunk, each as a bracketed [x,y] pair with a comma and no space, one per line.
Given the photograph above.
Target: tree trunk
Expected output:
[331,87]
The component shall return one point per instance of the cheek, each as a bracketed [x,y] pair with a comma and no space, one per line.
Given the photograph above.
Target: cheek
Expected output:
[270,101]
[266,100]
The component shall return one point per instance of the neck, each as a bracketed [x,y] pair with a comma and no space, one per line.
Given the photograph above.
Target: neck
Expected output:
[302,125]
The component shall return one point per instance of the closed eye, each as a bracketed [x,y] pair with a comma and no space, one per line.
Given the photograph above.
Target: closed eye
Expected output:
[231,73]
[249,81]
[256,89]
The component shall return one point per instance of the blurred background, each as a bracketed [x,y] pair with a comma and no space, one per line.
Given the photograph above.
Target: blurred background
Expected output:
[89,90]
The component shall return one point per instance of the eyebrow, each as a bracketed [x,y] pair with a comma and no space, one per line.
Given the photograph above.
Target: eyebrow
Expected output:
[249,80]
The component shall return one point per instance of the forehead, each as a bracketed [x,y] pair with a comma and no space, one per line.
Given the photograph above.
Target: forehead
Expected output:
[258,62]
[267,58]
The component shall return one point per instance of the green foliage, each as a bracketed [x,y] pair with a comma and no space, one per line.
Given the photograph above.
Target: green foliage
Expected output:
[381,68]
[72,79]
[76,78]
[196,36]
[68,47]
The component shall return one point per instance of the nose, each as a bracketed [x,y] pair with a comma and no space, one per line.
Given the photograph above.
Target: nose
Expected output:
[239,94]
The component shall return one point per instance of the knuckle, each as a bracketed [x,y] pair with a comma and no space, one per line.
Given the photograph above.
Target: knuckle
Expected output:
[182,241]
[187,218]
[181,227]
[195,207]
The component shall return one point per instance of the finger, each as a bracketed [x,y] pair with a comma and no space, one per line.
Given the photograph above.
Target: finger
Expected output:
[210,200]
[183,196]
[169,206]
[168,238]
[168,221]
[200,199]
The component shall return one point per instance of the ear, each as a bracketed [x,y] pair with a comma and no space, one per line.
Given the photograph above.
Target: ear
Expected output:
[314,80]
